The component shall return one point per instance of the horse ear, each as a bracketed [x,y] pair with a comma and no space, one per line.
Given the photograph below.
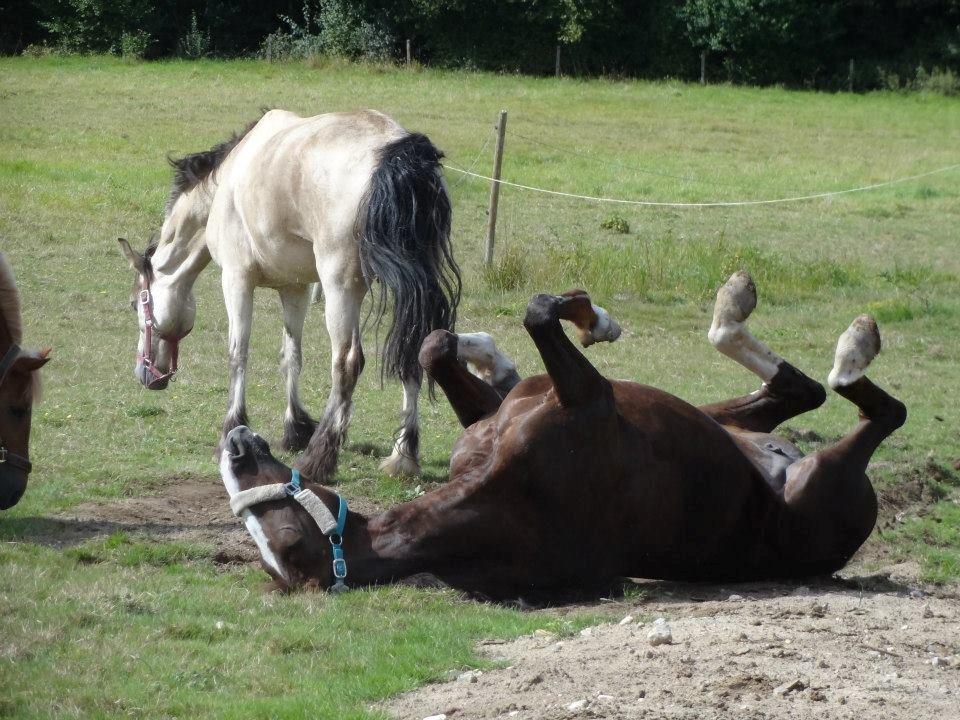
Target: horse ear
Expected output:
[30,360]
[133,257]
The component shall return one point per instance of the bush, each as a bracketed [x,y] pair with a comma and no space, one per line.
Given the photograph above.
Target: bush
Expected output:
[942,82]
[196,43]
[617,224]
[134,44]
[335,28]
[96,26]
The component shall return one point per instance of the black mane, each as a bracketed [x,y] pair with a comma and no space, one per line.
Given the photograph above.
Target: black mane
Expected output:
[191,170]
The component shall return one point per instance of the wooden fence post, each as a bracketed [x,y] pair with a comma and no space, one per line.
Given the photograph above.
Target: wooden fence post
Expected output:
[703,67]
[557,66]
[850,77]
[495,189]
[408,52]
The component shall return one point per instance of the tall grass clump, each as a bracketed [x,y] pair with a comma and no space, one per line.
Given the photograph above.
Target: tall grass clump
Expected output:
[508,272]
[668,269]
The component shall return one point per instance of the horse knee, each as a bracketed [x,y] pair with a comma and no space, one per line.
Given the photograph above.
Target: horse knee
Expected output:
[438,347]
[542,311]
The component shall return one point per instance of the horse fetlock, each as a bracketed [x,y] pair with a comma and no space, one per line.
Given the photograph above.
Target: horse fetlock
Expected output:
[726,337]
[297,432]
[437,347]
[400,465]
[857,347]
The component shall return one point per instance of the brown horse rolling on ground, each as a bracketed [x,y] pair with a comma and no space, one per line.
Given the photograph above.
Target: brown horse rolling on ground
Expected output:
[569,480]
[19,381]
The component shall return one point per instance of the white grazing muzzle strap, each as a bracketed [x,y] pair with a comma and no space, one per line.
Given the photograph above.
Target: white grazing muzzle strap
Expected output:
[308,500]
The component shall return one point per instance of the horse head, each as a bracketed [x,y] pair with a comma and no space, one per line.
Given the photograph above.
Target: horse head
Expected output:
[166,312]
[19,383]
[285,524]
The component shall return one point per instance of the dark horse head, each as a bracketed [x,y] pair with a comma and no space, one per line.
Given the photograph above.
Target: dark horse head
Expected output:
[18,389]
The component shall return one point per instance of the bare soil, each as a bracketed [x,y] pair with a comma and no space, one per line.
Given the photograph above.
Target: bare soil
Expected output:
[858,645]
[747,651]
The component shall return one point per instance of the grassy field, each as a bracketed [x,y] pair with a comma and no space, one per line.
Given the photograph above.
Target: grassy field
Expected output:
[127,626]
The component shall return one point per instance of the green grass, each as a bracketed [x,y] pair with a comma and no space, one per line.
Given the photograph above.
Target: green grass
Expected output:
[83,143]
[167,635]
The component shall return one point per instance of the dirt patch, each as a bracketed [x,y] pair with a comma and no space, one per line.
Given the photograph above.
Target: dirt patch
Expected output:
[751,651]
[188,510]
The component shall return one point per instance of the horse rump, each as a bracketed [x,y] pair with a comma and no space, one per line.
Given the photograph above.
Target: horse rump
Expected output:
[405,245]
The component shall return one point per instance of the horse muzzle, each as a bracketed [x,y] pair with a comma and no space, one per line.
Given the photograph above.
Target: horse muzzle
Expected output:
[150,376]
[11,488]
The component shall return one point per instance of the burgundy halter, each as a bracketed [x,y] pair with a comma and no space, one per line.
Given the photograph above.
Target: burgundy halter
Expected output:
[146,358]
[7,457]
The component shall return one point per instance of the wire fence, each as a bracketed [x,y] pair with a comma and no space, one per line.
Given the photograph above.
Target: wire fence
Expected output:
[715,203]
[799,197]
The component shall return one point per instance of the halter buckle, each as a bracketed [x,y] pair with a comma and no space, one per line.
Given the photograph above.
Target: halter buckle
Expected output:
[3,454]
[144,297]
[339,568]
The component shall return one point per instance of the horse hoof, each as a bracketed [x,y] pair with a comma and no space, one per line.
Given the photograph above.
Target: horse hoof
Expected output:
[606,329]
[400,466]
[736,298]
[297,436]
[856,349]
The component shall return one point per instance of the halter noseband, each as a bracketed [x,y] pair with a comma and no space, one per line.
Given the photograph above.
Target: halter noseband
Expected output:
[308,500]
[146,358]
[7,457]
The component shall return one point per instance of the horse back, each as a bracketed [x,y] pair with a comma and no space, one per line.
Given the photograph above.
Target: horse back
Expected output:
[292,191]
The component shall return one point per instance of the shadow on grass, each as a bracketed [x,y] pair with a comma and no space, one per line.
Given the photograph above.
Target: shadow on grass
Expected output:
[61,533]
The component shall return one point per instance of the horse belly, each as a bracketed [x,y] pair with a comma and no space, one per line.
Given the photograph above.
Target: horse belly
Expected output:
[694,507]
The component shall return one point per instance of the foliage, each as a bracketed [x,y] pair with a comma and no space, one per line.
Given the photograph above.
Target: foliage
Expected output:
[134,44]
[196,43]
[86,26]
[791,42]
[334,28]
[616,223]
[763,41]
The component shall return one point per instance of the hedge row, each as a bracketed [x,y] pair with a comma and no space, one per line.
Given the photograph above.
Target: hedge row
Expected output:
[792,42]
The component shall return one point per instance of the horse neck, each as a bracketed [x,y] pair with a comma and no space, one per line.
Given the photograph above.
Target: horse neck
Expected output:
[424,535]
[182,252]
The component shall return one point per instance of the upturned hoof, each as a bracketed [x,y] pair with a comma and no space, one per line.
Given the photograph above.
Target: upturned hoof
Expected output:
[856,349]
[736,299]
[398,465]
[604,329]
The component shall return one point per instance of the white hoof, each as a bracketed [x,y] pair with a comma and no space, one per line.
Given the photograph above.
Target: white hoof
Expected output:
[605,329]
[856,349]
[736,299]
[399,465]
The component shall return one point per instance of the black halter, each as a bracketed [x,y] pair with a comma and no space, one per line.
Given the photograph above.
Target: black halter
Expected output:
[7,457]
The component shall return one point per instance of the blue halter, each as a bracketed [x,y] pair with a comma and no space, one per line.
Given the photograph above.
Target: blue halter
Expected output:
[335,537]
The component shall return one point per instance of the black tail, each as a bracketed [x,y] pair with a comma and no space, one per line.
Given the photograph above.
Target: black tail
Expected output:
[405,244]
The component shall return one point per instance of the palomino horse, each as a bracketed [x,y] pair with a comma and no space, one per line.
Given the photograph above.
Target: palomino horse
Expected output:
[19,387]
[346,198]
[573,480]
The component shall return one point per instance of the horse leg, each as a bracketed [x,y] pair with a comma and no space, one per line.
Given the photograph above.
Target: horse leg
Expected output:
[575,380]
[298,426]
[832,505]
[238,296]
[485,360]
[403,461]
[470,397]
[342,313]
[785,393]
